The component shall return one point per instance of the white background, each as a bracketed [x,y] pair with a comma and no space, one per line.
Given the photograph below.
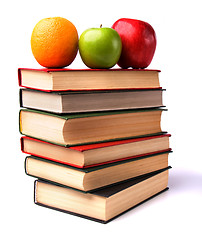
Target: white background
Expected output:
[172,215]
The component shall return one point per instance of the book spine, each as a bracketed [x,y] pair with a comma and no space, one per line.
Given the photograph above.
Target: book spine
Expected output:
[20,97]
[19,120]
[19,77]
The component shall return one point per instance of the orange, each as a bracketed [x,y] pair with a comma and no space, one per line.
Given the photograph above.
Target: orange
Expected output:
[54,42]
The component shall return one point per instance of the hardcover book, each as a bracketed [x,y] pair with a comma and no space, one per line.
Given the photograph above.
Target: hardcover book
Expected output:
[87,79]
[89,101]
[89,155]
[105,204]
[83,128]
[87,179]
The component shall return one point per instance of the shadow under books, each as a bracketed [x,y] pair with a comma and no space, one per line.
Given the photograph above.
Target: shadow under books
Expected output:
[185,180]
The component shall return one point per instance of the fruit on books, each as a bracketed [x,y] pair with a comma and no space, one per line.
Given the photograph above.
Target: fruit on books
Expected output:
[100,47]
[54,42]
[138,42]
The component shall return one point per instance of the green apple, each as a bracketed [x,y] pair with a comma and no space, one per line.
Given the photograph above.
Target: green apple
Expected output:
[100,47]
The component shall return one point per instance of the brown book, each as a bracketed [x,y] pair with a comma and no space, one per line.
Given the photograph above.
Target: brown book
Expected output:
[88,101]
[105,204]
[83,128]
[87,79]
[89,155]
[87,179]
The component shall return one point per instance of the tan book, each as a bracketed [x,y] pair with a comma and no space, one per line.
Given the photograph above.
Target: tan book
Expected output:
[83,128]
[87,79]
[87,179]
[95,154]
[105,204]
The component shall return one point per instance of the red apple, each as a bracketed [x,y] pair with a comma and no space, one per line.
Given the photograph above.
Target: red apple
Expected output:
[138,42]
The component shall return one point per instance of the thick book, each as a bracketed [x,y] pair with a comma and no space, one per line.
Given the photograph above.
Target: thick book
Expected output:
[87,79]
[83,128]
[87,179]
[89,101]
[105,204]
[89,155]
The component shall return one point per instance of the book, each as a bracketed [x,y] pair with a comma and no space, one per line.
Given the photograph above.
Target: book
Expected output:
[102,205]
[89,101]
[87,179]
[87,79]
[83,128]
[89,155]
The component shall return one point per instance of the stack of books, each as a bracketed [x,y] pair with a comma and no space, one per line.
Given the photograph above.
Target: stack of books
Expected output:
[94,139]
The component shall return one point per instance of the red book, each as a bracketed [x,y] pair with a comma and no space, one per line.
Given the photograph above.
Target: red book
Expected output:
[88,79]
[96,154]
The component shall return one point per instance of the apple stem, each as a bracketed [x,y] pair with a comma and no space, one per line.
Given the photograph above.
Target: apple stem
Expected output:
[100,25]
